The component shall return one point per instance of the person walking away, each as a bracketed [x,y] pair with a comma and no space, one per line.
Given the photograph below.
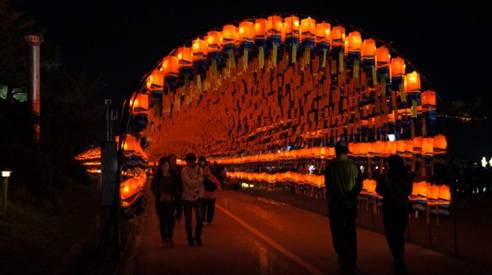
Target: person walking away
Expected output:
[176,173]
[343,182]
[165,189]
[220,173]
[193,189]
[211,185]
[395,186]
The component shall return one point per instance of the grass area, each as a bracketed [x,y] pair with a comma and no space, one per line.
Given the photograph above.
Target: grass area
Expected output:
[42,238]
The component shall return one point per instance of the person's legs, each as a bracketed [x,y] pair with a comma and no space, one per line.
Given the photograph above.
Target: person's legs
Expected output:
[198,205]
[205,207]
[187,206]
[169,215]
[337,233]
[162,218]
[179,210]
[351,236]
[394,228]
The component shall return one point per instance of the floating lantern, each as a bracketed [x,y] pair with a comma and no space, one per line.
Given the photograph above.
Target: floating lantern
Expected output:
[274,25]
[260,28]
[368,48]
[246,31]
[291,26]
[214,41]
[199,49]
[170,66]
[397,67]
[155,81]
[412,81]
[140,103]
[354,42]
[323,32]
[308,28]
[229,35]
[428,99]
[337,36]
[185,57]
[383,56]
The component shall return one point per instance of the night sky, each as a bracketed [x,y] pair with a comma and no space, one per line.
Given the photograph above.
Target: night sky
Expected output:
[119,42]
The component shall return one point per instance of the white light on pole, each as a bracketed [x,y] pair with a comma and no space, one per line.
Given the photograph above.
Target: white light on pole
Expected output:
[5,175]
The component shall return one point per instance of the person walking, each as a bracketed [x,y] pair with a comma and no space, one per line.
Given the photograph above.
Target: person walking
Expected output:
[343,182]
[176,172]
[395,186]
[193,189]
[165,189]
[211,185]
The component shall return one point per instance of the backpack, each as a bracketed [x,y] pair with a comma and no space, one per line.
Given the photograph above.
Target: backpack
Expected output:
[209,185]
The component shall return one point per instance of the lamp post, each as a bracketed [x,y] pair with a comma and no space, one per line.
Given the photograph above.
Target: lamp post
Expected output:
[34,41]
[5,175]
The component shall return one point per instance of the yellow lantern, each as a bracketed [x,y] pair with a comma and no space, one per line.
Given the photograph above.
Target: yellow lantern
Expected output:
[185,56]
[170,66]
[291,26]
[338,36]
[199,49]
[246,31]
[274,25]
[412,82]
[229,35]
[308,28]
[397,67]
[260,28]
[368,48]
[383,56]
[354,41]
[214,41]
[322,32]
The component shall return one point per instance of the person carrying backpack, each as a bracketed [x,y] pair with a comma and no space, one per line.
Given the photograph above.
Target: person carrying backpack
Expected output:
[212,186]
[395,186]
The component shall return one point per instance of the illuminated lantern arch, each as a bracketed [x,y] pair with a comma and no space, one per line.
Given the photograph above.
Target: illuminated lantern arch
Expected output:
[282,89]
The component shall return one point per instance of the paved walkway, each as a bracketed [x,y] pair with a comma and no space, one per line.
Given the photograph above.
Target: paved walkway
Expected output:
[251,235]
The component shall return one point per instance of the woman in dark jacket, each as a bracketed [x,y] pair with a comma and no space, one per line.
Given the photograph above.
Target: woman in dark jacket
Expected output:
[395,186]
[165,189]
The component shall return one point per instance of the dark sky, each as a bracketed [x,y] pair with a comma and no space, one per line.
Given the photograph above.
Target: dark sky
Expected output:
[119,41]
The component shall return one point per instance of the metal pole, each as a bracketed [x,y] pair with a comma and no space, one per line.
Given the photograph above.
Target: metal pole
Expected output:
[5,194]
[34,41]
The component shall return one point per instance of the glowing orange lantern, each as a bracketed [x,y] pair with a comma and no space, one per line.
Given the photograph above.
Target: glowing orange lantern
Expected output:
[308,28]
[417,144]
[440,144]
[260,28]
[214,41]
[397,66]
[185,56]
[354,41]
[322,32]
[412,82]
[199,49]
[155,80]
[246,31]
[368,48]
[433,192]
[141,103]
[369,185]
[170,66]
[444,193]
[383,56]
[338,36]
[400,146]
[420,189]
[409,146]
[229,35]
[274,25]
[291,26]
[427,145]
[428,98]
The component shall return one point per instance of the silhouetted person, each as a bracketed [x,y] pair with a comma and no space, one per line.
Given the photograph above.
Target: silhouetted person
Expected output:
[176,172]
[395,186]
[343,184]
[164,186]
[219,172]
[212,186]
[193,189]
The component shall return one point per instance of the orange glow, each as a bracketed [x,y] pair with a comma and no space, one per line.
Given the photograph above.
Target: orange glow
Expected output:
[155,80]
[260,28]
[427,145]
[274,25]
[292,26]
[428,98]
[199,49]
[420,189]
[369,185]
[322,32]
[354,41]
[308,28]
[185,56]
[338,36]
[444,192]
[170,66]
[383,56]
[246,31]
[412,82]
[417,144]
[368,48]
[230,34]
[440,144]
[141,103]
[214,41]
[397,66]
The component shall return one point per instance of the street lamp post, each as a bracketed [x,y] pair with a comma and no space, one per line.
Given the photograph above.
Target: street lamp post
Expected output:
[5,175]
[34,41]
